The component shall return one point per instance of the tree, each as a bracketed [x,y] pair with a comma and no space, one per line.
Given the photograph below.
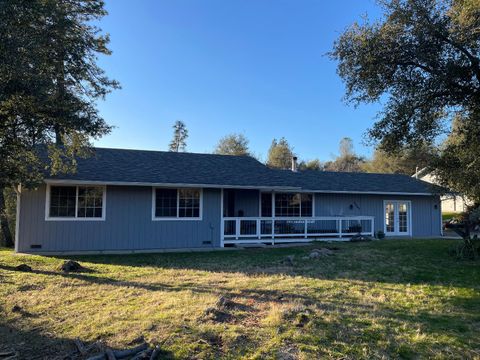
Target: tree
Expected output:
[49,84]
[347,160]
[406,161]
[460,148]
[314,164]
[180,135]
[280,154]
[422,58]
[233,144]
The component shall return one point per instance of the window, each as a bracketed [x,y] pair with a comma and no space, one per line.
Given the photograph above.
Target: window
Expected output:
[293,205]
[75,202]
[177,203]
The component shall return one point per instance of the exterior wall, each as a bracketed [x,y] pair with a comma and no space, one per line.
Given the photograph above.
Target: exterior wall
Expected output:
[128,224]
[247,201]
[426,219]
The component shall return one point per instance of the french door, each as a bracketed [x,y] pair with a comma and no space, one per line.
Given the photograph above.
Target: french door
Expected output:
[397,217]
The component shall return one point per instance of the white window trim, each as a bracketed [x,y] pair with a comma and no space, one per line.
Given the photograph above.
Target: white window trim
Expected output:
[176,218]
[410,225]
[75,218]
[288,192]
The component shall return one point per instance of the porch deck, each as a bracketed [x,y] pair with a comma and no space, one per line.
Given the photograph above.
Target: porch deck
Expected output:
[293,229]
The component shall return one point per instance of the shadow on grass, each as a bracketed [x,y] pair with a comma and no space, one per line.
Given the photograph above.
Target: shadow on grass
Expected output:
[388,261]
[34,344]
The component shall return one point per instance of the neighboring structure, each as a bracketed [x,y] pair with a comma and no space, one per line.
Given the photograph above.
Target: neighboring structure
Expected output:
[451,203]
[129,200]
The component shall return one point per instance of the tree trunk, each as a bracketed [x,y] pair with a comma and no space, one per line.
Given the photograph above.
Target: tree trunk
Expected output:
[7,235]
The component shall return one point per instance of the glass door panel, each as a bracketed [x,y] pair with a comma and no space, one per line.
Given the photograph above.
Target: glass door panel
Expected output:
[390,217]
[402,217]
[397,217]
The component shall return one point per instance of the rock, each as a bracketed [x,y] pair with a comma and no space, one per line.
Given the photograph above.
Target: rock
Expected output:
[23,267]
[289,260]
[316,253]
[71,265]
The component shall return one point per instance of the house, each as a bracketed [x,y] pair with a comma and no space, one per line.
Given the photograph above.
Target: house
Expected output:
[451,202]
[131,200]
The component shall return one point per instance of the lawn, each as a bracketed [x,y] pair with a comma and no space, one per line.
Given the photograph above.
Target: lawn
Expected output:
[381,299]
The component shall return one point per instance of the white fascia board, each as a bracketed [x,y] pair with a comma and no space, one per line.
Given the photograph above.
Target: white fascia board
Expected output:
[177,185]
[215,186]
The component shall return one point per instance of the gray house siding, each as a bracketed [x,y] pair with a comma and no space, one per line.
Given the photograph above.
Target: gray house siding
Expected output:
[128,224]
[426,219]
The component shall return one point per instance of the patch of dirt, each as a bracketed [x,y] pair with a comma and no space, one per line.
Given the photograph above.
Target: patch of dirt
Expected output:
[216,315]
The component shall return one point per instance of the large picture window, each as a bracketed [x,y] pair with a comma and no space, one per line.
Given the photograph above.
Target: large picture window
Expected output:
[293,205]
[75,202]
[177,203]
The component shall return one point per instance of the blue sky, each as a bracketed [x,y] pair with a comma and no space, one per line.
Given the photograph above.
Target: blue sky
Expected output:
[256,67]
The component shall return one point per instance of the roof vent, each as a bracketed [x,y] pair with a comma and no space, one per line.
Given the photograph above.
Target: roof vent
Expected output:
[294,163]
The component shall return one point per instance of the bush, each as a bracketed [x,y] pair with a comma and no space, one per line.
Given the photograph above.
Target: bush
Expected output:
[380,234]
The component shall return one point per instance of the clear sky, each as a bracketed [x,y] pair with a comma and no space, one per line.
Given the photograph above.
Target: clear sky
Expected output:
[257,67]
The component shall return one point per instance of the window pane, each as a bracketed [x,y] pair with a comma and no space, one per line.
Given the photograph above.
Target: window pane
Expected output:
[189,203]
[62,201]
[287,204]
[390,217]
[307,205]
[402,217]
[90,202]
[166,203]
[266,205]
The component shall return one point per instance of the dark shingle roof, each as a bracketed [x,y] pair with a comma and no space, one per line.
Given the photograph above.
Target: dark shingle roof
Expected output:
[159,167]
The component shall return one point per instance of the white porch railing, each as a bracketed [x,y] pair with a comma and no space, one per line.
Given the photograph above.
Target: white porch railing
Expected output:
[290,229]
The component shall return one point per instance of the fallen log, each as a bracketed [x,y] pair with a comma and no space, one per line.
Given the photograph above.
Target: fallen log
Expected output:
[155,353]
[121,354]
[81,348]
[110,354]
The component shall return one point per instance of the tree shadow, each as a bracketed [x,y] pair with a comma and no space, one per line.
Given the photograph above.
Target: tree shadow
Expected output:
[373,264]
[35,344]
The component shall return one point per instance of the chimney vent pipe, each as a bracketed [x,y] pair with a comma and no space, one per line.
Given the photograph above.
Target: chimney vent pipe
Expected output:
[294,163]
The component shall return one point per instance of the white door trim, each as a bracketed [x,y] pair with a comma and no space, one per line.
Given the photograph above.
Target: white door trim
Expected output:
[396,221]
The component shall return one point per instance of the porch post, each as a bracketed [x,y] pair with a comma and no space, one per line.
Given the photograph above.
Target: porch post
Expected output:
[222,222]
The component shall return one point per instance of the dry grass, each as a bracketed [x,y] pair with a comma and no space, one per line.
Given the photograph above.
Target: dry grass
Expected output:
[388,299]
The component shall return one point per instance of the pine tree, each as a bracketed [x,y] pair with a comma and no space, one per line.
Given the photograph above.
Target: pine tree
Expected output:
[180,135]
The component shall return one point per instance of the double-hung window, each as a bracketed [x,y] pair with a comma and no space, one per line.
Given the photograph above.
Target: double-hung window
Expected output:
[75,202]
[177,204]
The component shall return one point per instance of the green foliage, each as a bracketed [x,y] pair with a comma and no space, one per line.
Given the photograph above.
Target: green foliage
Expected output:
[280,154]
[233,144]
[49,85]
[422,60]
[458,165]
[315,165]
[180,135]
[403,161]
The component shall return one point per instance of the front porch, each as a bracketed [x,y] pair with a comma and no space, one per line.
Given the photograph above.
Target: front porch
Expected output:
[254,216]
